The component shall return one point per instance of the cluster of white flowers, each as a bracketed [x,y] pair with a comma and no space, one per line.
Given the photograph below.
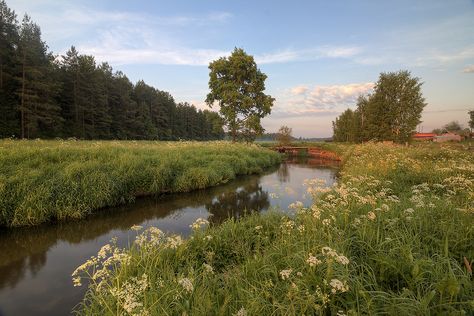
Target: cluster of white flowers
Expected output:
[409,211]
[151,237]
[296,205]
[312,260]
[187,284]
[301,228]
[273,195]
[97,268]
[316,186]
[241,312]
[198,223]
[208,268]
[285,274]
[338,286]
[130,295]
[287,225]
[371,216]
[174,242]
[136,227]
[331,253]
[326,221]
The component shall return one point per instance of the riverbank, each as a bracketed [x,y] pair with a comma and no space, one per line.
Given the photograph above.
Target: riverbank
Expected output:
[393,237]
[44,181]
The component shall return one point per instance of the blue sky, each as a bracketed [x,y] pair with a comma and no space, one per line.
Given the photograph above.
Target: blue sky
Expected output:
[318,55]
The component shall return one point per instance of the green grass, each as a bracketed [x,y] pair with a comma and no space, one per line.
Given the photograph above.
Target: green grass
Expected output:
[44,181]
[398,226]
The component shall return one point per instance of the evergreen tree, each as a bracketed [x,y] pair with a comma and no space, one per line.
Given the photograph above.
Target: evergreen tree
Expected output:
[39,113]
[9,38]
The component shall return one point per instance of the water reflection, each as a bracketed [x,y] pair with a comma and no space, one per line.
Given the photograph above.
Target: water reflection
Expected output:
[36,263]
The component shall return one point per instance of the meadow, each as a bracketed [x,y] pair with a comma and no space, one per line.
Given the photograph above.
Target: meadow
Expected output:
[394,237]
[43,181]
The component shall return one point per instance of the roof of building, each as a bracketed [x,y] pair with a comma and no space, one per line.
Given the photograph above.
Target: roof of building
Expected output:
[424,135]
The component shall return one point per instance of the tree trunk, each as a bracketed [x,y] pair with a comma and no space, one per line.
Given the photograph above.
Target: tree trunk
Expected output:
[76,110]
[22,108]
[1,73]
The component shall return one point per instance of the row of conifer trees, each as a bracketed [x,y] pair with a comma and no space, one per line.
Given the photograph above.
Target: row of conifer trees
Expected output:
[48,96]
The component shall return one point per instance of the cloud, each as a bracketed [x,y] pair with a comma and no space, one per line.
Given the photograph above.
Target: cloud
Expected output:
[299,90]
[307,54]
[468,69]
[320,100]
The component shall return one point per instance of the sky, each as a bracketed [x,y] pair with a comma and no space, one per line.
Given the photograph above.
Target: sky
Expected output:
[319,56]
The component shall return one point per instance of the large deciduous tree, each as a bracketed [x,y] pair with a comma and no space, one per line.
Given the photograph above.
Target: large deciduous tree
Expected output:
[391,112]
[237,85]
[395,107]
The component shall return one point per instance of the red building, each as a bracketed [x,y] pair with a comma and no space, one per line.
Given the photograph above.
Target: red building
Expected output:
[424,136]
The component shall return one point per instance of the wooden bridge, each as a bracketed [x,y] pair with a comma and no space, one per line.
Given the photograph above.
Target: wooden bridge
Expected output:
[309,151]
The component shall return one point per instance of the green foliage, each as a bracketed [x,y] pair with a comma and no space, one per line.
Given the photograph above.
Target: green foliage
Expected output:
[284,135]
[55,180]
[237,86]
[453,126]
[390,239]
[471,120]
[344,127]
[391,113]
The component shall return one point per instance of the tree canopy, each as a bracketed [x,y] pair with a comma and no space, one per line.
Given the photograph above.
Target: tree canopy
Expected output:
[471,119]
[284,136]
[391,112]
[237,86]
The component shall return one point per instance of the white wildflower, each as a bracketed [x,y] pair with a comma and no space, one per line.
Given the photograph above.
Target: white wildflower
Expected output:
[338,286]
[312,260]
[136,227]
[371,216]
[187,284]
[285,274]
[208,268]
[241,312]
[198,223]
[174,242]
[342,259]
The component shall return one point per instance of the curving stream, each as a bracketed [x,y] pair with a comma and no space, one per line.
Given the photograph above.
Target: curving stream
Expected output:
[36,263]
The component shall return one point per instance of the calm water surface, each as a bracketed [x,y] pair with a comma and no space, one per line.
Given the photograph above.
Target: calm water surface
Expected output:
[36,263]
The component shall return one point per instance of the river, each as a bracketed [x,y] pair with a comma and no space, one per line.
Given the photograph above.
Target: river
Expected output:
[36,263]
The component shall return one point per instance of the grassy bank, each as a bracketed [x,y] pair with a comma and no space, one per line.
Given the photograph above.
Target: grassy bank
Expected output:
[55,180]
[394,237]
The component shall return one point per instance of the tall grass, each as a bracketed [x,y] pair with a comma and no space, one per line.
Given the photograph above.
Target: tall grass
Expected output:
[394,237]
[55,180]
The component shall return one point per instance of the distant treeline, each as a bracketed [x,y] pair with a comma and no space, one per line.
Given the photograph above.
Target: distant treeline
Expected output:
[45,96]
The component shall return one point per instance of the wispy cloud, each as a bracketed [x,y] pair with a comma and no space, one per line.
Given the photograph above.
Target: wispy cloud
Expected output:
[468,69]
[315,53]
[136,46]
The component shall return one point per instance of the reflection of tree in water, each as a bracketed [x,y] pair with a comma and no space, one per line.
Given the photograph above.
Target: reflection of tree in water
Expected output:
[283,173]
[26,249]
[234,203]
